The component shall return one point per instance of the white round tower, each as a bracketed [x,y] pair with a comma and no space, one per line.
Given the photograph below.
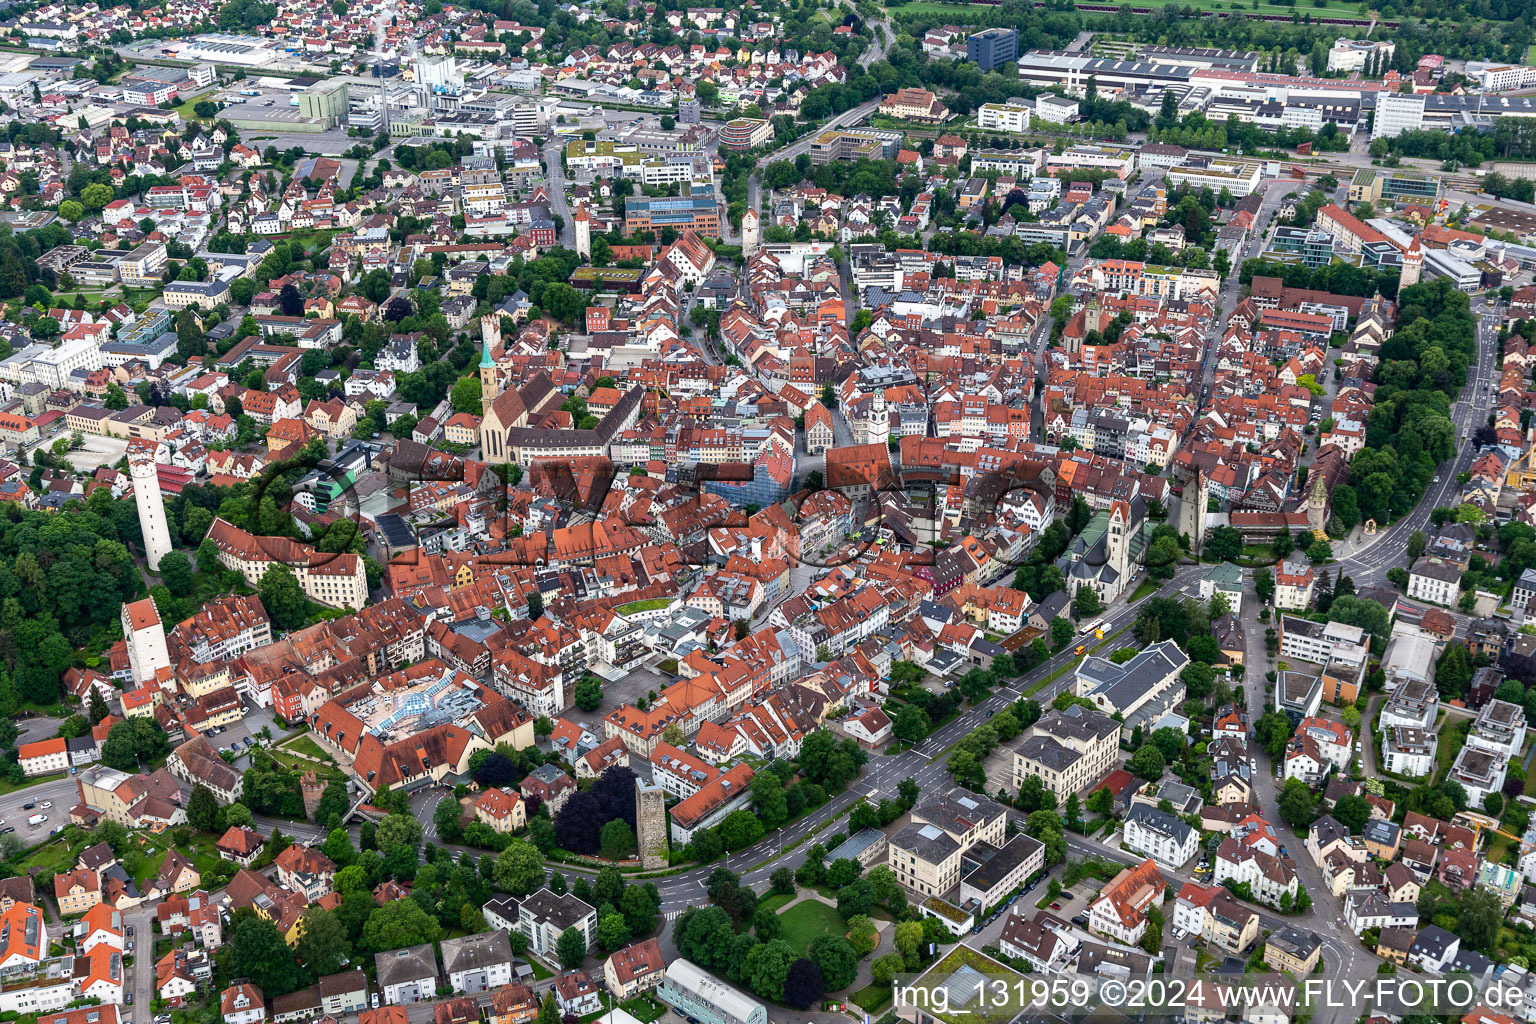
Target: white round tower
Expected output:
[146,494]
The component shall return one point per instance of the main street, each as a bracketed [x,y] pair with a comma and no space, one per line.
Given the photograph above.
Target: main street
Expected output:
[553,150]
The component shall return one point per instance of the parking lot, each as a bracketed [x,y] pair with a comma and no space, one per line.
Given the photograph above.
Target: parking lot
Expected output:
[241,737]
[96,450]
[1071,904]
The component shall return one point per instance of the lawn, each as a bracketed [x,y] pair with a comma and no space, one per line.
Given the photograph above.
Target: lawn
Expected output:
[635,607]
[301,764]
[1449,745]
[143,862]
[775,901]
[183,109]
[302,744]
[872,998]
[6,786]
[644,1009]
[1145,589]
[1530,54]
[808,919]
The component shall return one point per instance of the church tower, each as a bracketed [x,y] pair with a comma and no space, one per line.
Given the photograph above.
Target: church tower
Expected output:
[583,221]
[1117,545]
[490,382]
[749,233]
[1413,265]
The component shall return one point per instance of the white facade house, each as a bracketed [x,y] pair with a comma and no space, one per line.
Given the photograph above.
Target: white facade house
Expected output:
[1408,751]
[1499,729]
[407,975]
[478,963]
[1434,581]
[1160,835]
[544,917]
[1267,876]
[243,1004]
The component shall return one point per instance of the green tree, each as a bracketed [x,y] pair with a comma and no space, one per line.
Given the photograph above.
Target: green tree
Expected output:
[1479,918]
[283,598]
[1297,804]
[94,197]
[333,802]
[202,809]
[519,868]
[833,954]
[612,931]
[589,693]
[465,395]
[1223,543]
[571,949]
[1147,763]
[397,831]
[1264,584]
[617,839]
[176,570]
[399,924]
[189,335]
[1453,672]
[324,946]
[261,954]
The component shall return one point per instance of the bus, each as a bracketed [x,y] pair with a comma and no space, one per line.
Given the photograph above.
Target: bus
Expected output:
[1096,628]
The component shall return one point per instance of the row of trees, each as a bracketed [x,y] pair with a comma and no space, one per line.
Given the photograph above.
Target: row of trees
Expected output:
[1423,367]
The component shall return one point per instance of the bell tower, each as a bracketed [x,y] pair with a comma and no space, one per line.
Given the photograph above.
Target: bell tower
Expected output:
[490,381]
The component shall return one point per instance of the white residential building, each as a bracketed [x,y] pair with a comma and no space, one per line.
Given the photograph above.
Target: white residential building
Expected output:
[1162,836]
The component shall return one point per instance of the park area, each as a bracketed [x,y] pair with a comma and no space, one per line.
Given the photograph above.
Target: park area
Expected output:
[808,919]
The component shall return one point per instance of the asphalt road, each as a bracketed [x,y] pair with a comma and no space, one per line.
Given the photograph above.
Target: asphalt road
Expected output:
[802,145]
[62,793]
[556,182]
[1368,562]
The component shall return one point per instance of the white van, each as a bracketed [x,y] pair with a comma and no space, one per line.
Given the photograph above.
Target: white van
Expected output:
[37,819]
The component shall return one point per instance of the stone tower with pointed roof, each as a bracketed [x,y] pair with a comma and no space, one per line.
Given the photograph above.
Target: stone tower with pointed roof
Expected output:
[1317,507]
[1413,265]
[749,232]
[583,222]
